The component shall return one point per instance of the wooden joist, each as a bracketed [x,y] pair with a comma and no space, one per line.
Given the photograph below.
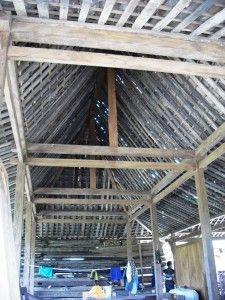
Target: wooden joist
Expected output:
[114,38]
[64,213]
[77,201]
[73,57]
[105,164]
[109,151]
[82,221]
[88,192]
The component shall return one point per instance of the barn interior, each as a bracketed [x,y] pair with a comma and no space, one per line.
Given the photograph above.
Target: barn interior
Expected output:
[112,131]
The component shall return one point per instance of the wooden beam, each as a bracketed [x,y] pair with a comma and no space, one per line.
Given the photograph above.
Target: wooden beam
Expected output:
[9,275]
[214,155]
[82,221]
[85,7]
[147,12]
[93,178]
[32,257]
[106,11]
[200,152]
[73,57]
[77,201]
[81,213]
[109,151]
[20,8]
[27,247]
[88,192]
[95,36]
[211,141]
[208,252]
[141,262]
[104,164]
[12,98]
[177,183]
[64,8]
[18,211]
[112,114]
[4,42]
[129,241]
[156,248]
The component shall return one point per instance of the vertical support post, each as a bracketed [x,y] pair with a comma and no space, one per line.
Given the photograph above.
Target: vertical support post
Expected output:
[9,276]
[32,256]
[129,242]
[18,210]
[27,247]
[141,262]
[208,253]
[4,42]
[173,249]
[112,118]
[156,247]
[92,178]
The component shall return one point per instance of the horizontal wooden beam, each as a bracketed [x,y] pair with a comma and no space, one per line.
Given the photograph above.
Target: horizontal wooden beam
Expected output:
[88,192]
[105,164]
[81,221]
[77,201]
[73,57]
[71,213]
[108,151]
[94,36]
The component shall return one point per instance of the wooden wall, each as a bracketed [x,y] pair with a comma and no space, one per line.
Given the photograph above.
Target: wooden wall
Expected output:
[189,267]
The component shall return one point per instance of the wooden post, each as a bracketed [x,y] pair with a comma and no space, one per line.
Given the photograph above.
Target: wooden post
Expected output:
[141,263]
[27,247]
[156,247]
[5,20]
[208,253]
[112,118]
[129,242]
[9,276]
[18,210]
[32,256]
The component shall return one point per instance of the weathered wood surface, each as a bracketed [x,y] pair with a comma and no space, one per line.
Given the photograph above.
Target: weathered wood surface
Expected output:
[114,61]
[77,201]
[108,151]
[88,192]
[112,114]
[18,210]
[9,276]
[114,38]
[32,256]
[105,164]
[156,247]
[208,252]
[28,237]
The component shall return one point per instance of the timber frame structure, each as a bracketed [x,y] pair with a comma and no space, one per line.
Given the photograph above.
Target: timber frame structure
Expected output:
[113,116]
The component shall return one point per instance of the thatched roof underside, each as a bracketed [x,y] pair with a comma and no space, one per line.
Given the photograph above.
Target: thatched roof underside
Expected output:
[154,110]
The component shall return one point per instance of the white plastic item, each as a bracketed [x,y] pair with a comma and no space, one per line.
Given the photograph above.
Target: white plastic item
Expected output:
[108,291]
[188,293]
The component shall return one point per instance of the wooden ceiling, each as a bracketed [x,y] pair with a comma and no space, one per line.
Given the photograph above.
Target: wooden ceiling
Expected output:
[176,109]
